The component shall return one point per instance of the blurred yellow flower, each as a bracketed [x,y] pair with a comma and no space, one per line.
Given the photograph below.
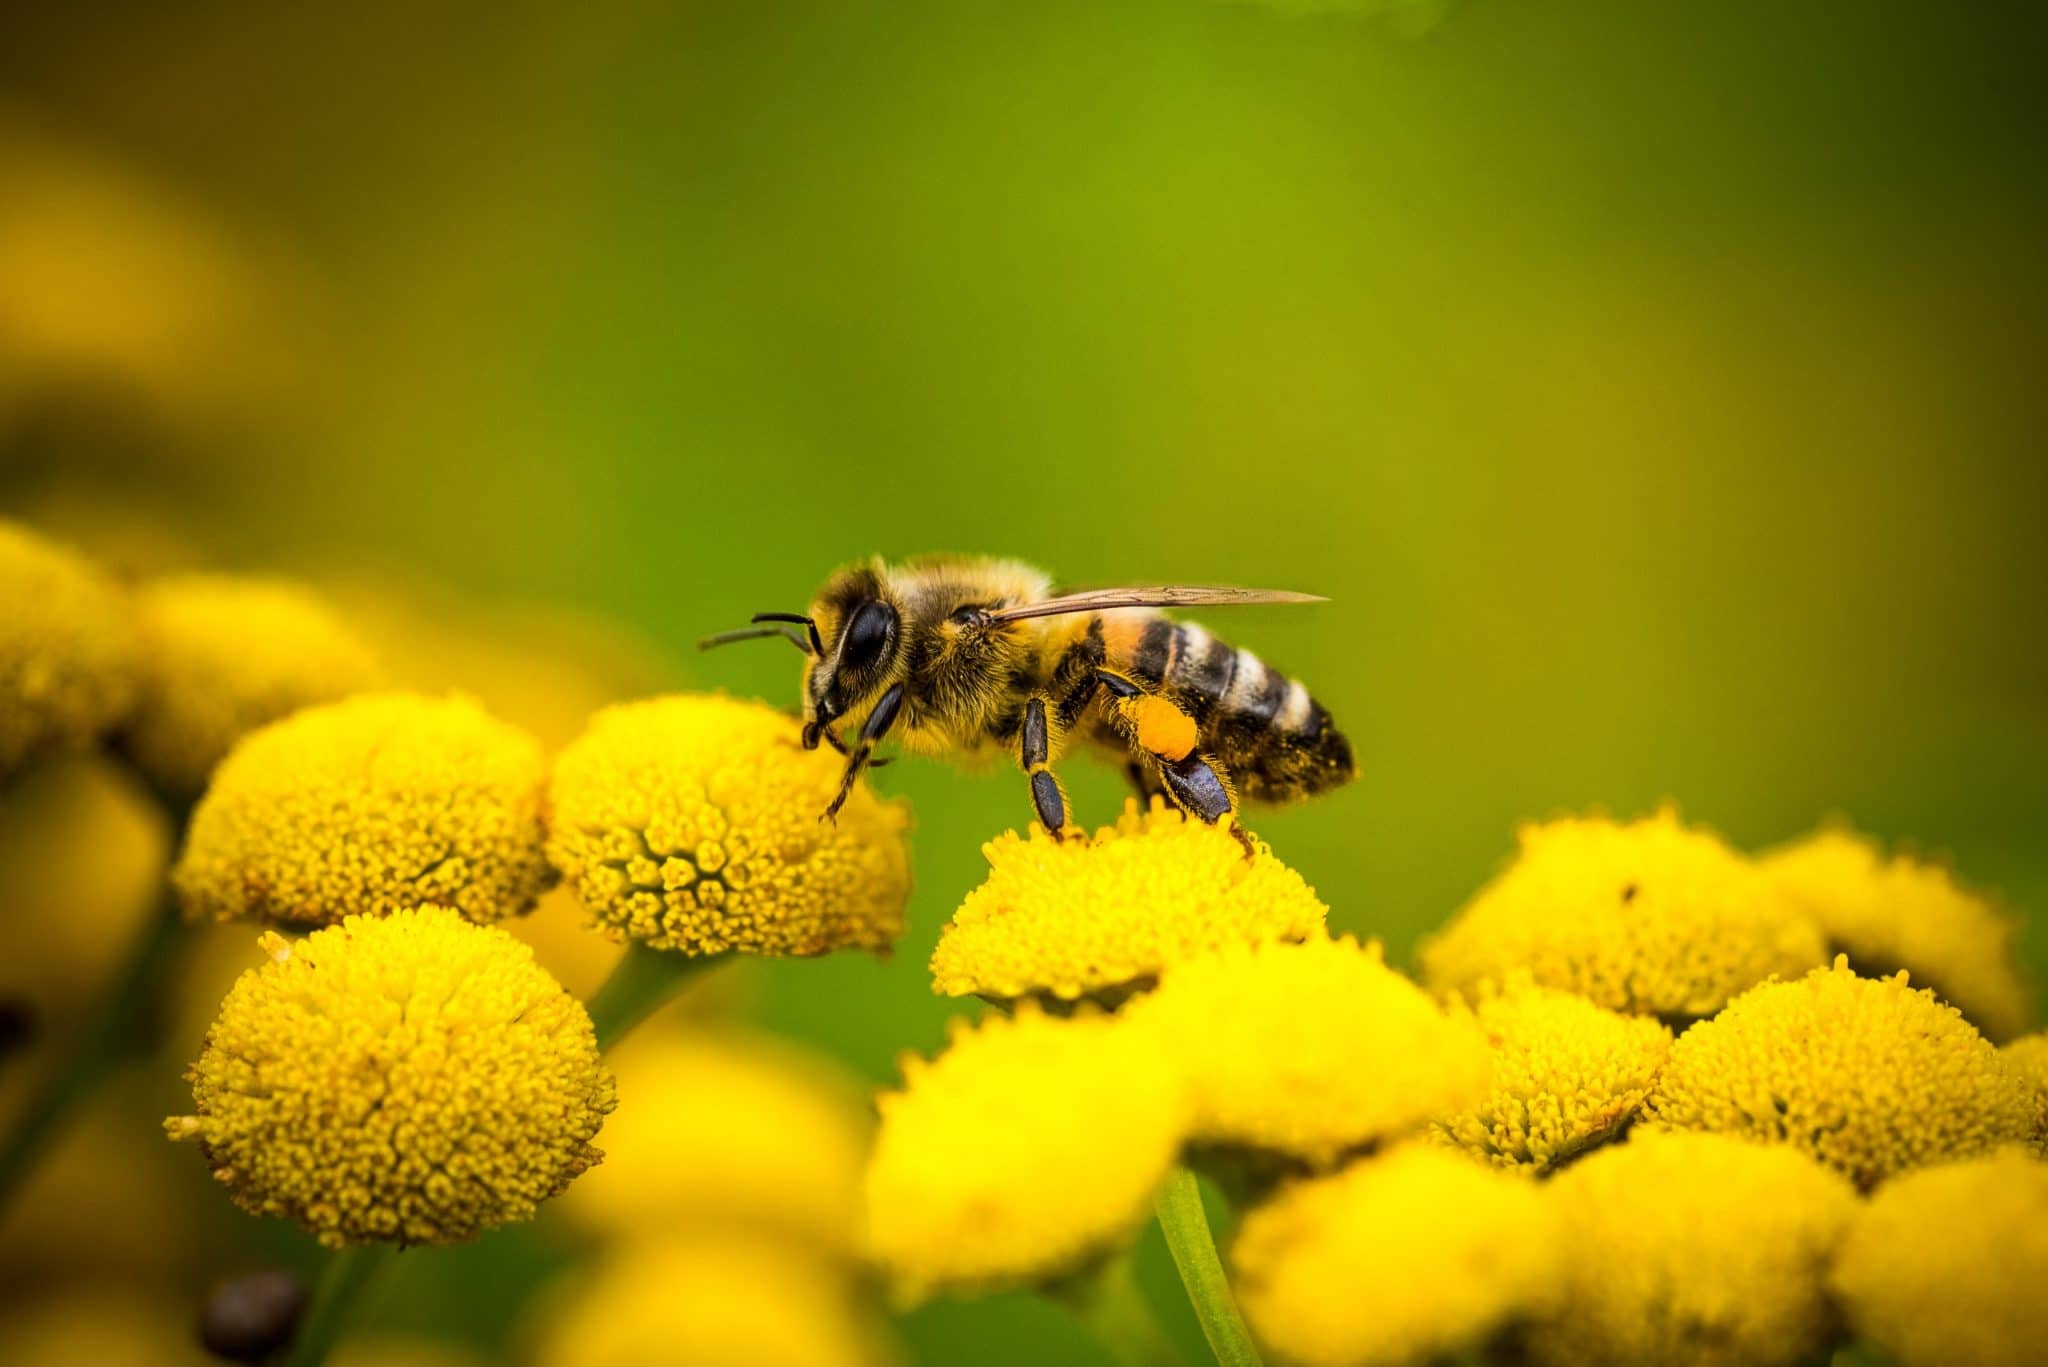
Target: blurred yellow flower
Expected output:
[411,1078]
[1649,916]
[724,1298]
[1415,1256]
[692,823]
[82,854]
[1867,1075]
[99,1326]
[1695,1250]
[724,1127]
[1069,918]
[404,1350]
[357,807]
[1027,1147]
[223,655]
[1312,1049]
[579,955]
[2027,1057]
[1567,1075]
[1899,912]
[99,1207]
[1948,1266]
[67,648]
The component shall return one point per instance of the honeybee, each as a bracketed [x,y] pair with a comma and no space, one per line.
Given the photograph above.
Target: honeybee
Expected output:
[966,656]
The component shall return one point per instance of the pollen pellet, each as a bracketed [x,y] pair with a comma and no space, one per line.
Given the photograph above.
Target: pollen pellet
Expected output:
[1163,729]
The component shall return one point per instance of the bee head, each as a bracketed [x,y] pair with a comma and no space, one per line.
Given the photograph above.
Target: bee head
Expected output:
[860,639]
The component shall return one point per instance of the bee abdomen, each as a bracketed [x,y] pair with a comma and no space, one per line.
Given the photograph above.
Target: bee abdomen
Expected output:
[1277,741]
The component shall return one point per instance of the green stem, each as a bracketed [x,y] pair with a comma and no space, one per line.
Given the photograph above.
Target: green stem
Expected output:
[102,1042]
[348,1275]
[642,983]
[1110,1302]
[1186,1227]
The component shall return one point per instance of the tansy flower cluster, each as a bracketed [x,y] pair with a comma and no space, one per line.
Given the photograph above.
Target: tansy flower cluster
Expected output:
[1642,1119]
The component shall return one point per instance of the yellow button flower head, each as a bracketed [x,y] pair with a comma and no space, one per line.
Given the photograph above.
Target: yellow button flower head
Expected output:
[720,1298]
[2028,1058]
[1865,1074]
[1312,1050]
[1900,912]
[411,1078]
[1649,916]
[1027,1147]
[1693,1250]
[691,823]
[1567,1075]
[726,1128]
[1415,1256]
[1069,918]
[67,649]
[1948,1267]
[222,656]
[379,801]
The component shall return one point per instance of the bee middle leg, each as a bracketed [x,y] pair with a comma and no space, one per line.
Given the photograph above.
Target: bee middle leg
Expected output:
[1034,756]
[1167,739]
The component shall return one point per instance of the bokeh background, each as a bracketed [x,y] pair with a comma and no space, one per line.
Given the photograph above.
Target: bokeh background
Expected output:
[1655,390]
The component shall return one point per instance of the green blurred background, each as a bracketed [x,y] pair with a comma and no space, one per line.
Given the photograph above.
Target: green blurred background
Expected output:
[1655,390]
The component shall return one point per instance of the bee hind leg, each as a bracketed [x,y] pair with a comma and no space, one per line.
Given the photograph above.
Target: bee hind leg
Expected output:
[1167,738]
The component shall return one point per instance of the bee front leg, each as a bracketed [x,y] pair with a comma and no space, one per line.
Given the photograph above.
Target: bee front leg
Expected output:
[1167,737]
[1034,755]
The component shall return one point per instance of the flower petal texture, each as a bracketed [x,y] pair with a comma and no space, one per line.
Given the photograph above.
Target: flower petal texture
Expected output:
[729,1129]
[1312,1050]
[412,1078]
[1946,1266]
[223,655]
[68,657]
[713,1299]
[1694,1250]
[1417,1255]
[2028,1058]
[691,822]
[1889,913]
[1567,1075]
[1867,1075]
[1649,916]
[1028,1146]
[1071,918]
[380,801]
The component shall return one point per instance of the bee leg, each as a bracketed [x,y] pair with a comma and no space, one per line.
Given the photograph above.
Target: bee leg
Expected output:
[877,726]
[1034,754]
[1161,731]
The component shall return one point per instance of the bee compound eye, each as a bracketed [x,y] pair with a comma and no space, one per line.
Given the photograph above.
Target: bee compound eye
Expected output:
[867,633]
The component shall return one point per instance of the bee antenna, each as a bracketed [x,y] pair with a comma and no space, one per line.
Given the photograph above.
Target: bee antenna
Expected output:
[817,646]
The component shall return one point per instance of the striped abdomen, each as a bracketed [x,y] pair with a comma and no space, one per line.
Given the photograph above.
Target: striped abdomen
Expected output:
[1277,742]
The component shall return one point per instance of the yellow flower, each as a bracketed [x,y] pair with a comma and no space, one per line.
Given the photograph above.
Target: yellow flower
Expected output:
[223,655]
[1867,1075]
[1567,1075]
[723,1298]
[82,851]
[1693,1250]
[99,1324]
[1650,916]
[722,1127]
[692,823]
[1312,1050]
[2027,1057]
[379,801]
[67,649]
[1948,1267]
[1415,1256]
[1071,917]
[411,1078]
[1898,912]
[1027,1147]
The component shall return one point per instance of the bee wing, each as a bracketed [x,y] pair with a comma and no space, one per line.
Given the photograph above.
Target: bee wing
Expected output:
[1162,596]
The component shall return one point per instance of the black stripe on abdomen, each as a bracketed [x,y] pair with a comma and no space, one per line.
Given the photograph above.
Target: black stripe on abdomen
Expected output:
[1203,670]
[1148,665]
